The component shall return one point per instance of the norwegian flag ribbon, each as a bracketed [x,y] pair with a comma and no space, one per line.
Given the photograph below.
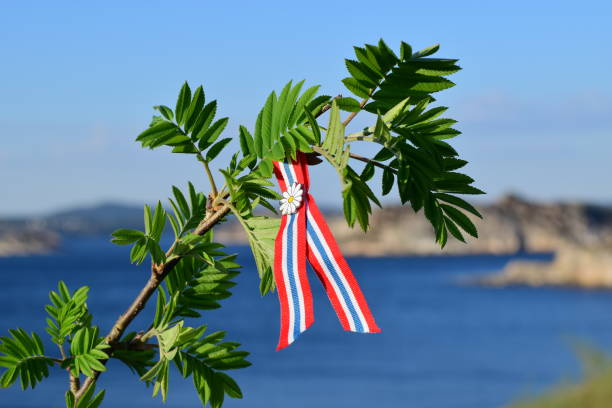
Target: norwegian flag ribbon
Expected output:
[304,235]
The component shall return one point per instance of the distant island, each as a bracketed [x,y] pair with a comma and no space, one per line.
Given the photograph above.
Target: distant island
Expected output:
[579,234]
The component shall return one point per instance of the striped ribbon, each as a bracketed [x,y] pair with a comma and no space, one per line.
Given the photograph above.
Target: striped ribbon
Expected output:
[304,235]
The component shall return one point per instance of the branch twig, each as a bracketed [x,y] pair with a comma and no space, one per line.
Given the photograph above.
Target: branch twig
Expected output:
[374,162]
[158,273]
[211,180]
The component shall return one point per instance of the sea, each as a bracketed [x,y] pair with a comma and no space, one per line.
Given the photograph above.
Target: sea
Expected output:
[445,342]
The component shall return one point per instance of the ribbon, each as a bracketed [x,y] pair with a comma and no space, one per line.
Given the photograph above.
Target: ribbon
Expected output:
[304,235]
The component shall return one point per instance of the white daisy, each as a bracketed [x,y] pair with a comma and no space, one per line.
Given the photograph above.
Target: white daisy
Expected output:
[292,199]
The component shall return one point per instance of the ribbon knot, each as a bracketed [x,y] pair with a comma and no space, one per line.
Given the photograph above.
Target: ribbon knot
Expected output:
[304,235]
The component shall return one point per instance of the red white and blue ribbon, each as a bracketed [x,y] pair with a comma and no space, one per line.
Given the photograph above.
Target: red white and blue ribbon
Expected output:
[304,235]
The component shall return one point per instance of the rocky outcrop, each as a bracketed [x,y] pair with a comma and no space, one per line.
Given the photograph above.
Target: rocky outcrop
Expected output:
[577,267]
[26,241]
[580,236]
[511,225]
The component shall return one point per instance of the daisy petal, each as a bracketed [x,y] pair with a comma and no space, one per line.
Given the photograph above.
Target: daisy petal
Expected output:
[286,194]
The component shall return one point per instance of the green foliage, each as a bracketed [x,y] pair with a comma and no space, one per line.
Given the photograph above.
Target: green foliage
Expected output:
[247,191]
[261,232]
[280,131]
[593,391]
[378,73]
[68,312]
[412,136]
[197,283]
[189,129]
[186,216]
[355,192]
[87,352]
[23,356]
[196,274]
[197,356]
[145,242]
[89,399]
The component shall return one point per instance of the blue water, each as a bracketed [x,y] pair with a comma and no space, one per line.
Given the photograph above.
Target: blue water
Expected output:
[444,344]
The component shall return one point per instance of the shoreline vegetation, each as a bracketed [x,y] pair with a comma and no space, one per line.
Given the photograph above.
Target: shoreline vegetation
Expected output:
[591,391]
[580,236]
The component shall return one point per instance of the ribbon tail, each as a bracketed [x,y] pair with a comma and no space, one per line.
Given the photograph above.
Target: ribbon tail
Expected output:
[332,269]
[290,277]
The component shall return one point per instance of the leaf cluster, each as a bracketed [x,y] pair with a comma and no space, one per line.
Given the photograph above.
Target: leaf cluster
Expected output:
[203,358]
[280,129]
[23,356]
[146,242]
[418,159]
[67,313]
[190,128]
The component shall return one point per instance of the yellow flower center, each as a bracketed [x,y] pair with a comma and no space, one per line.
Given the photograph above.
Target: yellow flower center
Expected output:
[290,199]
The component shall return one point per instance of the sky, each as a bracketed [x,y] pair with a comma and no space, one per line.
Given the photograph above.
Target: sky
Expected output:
[78,81]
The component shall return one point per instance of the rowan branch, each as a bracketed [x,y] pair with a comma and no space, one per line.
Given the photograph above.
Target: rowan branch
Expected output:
[373,162]
[353,114]
[158,274]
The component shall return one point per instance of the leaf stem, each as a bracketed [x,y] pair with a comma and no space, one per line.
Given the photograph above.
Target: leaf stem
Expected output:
[374,162]
[211,180]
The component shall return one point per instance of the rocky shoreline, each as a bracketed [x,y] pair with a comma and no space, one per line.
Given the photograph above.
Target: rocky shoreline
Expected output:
[30,241]
[580,235]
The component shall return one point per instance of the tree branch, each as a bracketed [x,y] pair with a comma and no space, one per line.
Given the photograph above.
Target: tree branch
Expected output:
[374,162]
[158,274]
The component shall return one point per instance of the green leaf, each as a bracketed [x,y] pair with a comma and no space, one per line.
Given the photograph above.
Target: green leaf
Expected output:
[158,223]
[22,355]
[348,104]
[139,251]
[314,126]
[274,135]
[216,149]
[212,133]
[459,203]
[246,142]
[452,228]
[356,87]
[67,312]
[166,113]
[203,121]
[195,107]
[461,219]
[126,236]
[158,134]
[261,232]
[87,349]
[182,103]
[387,181]
[147,219]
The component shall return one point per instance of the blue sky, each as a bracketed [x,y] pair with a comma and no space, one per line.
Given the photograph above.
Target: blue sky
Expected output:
[78,80]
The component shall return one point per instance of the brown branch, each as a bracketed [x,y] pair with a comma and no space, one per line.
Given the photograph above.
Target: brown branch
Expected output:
[158,273]
[325,108]
[353,114]
[75,383]
[374,162]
